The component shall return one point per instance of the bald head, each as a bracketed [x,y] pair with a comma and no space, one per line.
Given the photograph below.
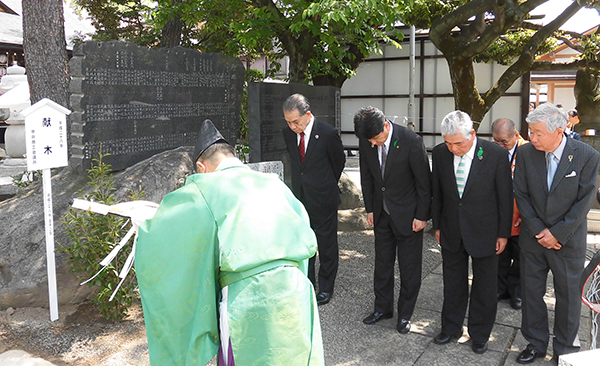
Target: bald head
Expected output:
[504,133]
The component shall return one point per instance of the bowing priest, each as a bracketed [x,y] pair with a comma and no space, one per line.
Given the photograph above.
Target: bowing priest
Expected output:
[222,267]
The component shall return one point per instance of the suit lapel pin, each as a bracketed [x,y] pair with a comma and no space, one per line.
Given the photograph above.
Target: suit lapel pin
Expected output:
[570,158]
[480,153]
[396,144]
[317,137]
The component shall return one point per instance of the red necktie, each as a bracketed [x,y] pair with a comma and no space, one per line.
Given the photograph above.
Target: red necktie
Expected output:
[301,148]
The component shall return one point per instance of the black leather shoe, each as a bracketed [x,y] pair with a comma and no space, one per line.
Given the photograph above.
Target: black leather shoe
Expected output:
[516,303]
[403,326]
[444,338]
[529,355]
[323,298]
[480,347]
[376,316]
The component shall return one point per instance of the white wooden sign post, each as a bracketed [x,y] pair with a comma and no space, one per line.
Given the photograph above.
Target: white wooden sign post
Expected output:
[46,144]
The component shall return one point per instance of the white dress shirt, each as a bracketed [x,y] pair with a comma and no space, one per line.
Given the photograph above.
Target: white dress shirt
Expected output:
[468,160]
[386,143]
[307,132]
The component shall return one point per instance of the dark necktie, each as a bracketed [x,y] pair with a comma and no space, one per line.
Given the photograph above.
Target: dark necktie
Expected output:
[383,159]
[301,148]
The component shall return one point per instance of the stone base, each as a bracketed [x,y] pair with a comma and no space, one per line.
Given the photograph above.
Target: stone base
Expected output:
[584,358]
[10,167]
[14,139]
[20,358]
[593,218]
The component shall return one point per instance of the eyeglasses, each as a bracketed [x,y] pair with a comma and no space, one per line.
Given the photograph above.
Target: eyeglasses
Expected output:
[503,142]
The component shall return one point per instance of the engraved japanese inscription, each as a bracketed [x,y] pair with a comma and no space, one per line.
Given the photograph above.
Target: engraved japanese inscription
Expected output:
[132,102]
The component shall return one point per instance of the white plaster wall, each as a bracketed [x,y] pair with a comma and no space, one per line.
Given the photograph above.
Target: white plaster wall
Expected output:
[566,97]
[388,84]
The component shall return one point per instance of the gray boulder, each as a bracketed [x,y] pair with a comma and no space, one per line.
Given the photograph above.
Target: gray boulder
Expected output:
[23,279]
[353,220]
[350,195]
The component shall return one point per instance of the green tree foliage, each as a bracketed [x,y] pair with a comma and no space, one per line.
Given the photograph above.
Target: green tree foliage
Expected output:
[127,20]
[492,30]
[325,40]
[92,237]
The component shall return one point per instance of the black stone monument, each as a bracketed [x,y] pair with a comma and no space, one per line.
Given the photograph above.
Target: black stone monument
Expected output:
[133,102]
[265,102]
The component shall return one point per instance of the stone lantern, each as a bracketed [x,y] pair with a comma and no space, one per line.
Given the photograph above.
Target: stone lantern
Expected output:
[14,99]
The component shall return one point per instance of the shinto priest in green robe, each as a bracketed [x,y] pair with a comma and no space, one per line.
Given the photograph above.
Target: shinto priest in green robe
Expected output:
[224,262]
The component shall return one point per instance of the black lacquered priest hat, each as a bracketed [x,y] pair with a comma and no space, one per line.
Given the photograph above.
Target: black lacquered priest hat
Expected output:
[208,136]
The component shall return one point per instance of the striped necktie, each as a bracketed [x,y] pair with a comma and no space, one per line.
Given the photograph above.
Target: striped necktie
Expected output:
[460,176]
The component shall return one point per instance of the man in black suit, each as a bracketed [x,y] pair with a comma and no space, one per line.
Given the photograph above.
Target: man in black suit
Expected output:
[555,183]
[396,186]
[472,216]
[317,160]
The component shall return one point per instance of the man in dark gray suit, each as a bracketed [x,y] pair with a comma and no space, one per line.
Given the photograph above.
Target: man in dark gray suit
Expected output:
[555,180]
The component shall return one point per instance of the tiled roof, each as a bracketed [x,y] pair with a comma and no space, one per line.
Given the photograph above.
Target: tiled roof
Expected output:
[11,31]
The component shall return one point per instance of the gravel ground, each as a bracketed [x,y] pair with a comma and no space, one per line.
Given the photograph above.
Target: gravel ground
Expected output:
[80,337]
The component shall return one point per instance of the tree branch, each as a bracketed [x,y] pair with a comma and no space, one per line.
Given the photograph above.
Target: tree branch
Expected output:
[575,46]
[529,5]
[526,60]
[441,28]
[507,15]
[475,28]
[283,33]
[497,27]
[533,26]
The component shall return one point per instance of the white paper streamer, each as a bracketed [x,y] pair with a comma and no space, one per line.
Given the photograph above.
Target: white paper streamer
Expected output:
[138,212]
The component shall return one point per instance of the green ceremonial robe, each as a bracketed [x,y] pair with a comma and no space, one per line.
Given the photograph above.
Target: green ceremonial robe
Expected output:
[229,221]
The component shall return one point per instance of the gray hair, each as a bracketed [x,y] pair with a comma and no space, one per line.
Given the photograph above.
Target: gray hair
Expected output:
[457,122]
[296,101]
[549,114]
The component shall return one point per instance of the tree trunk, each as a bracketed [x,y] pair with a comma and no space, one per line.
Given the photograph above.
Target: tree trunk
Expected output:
[466,95]
[298,67]
[587,95]
[329,80]
[45,50]
[171,32]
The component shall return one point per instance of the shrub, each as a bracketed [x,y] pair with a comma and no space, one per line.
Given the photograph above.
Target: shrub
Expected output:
[93,236]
